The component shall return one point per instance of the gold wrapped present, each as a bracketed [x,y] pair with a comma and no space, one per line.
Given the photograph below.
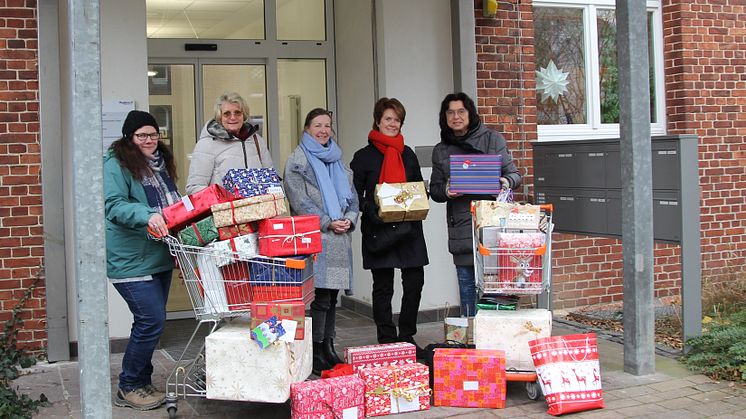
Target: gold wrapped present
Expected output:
[246,210]
[402,201]
[510,215]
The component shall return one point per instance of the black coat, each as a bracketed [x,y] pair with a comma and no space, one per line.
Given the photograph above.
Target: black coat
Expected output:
[366,168]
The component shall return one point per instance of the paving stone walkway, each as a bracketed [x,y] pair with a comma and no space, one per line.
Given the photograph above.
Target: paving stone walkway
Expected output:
[672,392]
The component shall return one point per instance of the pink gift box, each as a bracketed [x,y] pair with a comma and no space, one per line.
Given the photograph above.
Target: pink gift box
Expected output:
[396,389]
[469,378]
[380,355]
[331,398]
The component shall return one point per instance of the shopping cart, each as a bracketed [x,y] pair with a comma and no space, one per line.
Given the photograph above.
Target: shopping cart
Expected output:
[515,258]
[222,285]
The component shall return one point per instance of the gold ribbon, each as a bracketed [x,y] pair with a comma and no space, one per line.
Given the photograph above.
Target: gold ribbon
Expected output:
[408,393]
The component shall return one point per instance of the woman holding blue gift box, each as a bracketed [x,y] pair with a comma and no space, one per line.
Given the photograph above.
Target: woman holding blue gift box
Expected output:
[139,174]
[390,246]
[228,141]
[462,132]
[318,182]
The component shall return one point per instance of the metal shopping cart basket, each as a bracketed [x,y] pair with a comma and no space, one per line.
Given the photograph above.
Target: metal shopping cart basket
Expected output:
[221,285]
[513,256]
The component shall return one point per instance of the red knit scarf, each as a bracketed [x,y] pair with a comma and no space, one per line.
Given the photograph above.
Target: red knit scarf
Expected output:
[392,170]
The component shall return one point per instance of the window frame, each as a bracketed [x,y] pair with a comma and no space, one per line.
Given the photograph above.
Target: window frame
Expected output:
[593,128]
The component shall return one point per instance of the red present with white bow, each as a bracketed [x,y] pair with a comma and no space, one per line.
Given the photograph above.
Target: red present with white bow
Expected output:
[396,389]
[369,356]
[331,398]
[288,236]
[569,372]
[194,207]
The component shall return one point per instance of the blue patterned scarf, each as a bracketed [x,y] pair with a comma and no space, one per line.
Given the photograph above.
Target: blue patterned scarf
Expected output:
[160,189]
[326,162]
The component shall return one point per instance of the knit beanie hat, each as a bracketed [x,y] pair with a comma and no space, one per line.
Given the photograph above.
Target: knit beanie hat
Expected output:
[136,120]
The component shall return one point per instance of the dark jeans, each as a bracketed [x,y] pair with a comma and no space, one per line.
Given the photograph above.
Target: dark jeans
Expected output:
[383,290]
[467,290]
[147,302]
[323,314]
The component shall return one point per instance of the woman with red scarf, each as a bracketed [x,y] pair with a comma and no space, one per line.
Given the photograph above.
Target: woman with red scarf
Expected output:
[387,159]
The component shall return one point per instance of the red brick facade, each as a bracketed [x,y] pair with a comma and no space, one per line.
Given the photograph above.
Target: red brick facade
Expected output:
[21,233]
[705,74]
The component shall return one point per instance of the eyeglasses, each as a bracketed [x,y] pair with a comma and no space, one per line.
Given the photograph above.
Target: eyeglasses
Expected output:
[460,112]
[227,114]
[142,136]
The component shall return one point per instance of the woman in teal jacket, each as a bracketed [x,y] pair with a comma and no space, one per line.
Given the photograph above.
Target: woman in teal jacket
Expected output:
[139,174]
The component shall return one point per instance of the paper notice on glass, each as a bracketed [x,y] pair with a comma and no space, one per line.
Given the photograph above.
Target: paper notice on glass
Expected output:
[113,113]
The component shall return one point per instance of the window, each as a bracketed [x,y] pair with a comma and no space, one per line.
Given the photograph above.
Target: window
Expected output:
[577,73]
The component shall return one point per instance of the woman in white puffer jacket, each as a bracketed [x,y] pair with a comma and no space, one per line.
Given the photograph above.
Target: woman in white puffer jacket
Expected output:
[227,141]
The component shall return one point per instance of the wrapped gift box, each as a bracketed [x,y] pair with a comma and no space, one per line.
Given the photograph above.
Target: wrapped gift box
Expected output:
[286,236]
[235,249]
[469,378]
[506,244]
[511,331]
[200,233]
[331,398]
[290,271]
[459,330]
[229,232]
[245,183]
[396,389]
[194,207]
[276,292]
[246,210]
[237,369]
[294,310]
[475,173]
[402,201]
[508,215]
[369,356]
[212,298]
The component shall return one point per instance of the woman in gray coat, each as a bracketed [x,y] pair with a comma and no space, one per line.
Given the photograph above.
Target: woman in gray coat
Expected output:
[318,182]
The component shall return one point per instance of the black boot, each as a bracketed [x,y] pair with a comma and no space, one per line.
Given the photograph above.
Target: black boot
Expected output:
[319,360]
[330,354]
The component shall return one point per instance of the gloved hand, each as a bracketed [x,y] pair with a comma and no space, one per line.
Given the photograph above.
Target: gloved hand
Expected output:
[504,183]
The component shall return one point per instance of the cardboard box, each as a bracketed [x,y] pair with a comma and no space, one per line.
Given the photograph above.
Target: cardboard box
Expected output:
[246,210]
[369,356]
[331,398]
[288,236]
[396,389]
[511,331]
[469,378]
[475,174]
[293,310]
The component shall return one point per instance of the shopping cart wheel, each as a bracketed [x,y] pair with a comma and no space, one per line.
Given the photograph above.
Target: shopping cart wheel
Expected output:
[171,405]
[171,412]
[533,390]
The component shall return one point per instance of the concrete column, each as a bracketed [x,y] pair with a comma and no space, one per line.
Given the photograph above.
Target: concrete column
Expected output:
[637,189]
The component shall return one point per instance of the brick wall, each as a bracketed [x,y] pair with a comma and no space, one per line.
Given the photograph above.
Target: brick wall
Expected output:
[21,236]
[588,270]
[705,62]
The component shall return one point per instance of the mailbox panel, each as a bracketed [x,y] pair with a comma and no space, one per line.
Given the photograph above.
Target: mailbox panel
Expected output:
[666,216]
[665,161]
[565,209]
[614,211]
[591,210]
[589,167]
[613,166]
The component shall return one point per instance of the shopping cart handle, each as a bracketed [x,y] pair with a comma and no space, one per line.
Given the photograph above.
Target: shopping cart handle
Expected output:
[483,250]
[547,207]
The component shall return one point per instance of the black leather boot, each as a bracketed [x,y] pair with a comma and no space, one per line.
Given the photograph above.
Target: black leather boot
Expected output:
[330,354]
[319,359]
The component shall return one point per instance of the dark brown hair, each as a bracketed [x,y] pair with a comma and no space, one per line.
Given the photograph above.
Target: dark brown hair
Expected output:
[314,113]
[468,104]
[131,158]
[385,103]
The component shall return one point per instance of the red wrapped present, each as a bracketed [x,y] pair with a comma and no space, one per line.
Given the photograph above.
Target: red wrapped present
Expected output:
[287,236]
[569,372]
[281,292]
[469,378]
[380,355]
[332,398]
[238,294]
[229,232]
[396,389]
[238,271]
[194,207]
[293,310]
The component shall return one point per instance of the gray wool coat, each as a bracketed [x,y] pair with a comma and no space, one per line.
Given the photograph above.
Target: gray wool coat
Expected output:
[333,267]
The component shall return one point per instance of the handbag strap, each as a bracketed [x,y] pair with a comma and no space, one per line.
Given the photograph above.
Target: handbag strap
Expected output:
[258,153]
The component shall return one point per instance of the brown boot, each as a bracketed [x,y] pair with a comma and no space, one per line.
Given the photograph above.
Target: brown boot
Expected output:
[155,392]
[138,399]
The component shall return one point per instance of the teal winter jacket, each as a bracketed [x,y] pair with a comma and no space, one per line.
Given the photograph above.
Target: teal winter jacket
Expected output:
[129,251]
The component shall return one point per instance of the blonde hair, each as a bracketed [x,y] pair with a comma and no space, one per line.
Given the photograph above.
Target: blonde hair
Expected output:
[230,97]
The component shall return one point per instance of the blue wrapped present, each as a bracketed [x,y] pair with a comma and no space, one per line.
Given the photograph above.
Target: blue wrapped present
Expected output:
[293,271]
[245,183]
[477,174]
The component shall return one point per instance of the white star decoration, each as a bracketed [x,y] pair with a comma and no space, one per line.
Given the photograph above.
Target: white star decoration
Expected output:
[551,82]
